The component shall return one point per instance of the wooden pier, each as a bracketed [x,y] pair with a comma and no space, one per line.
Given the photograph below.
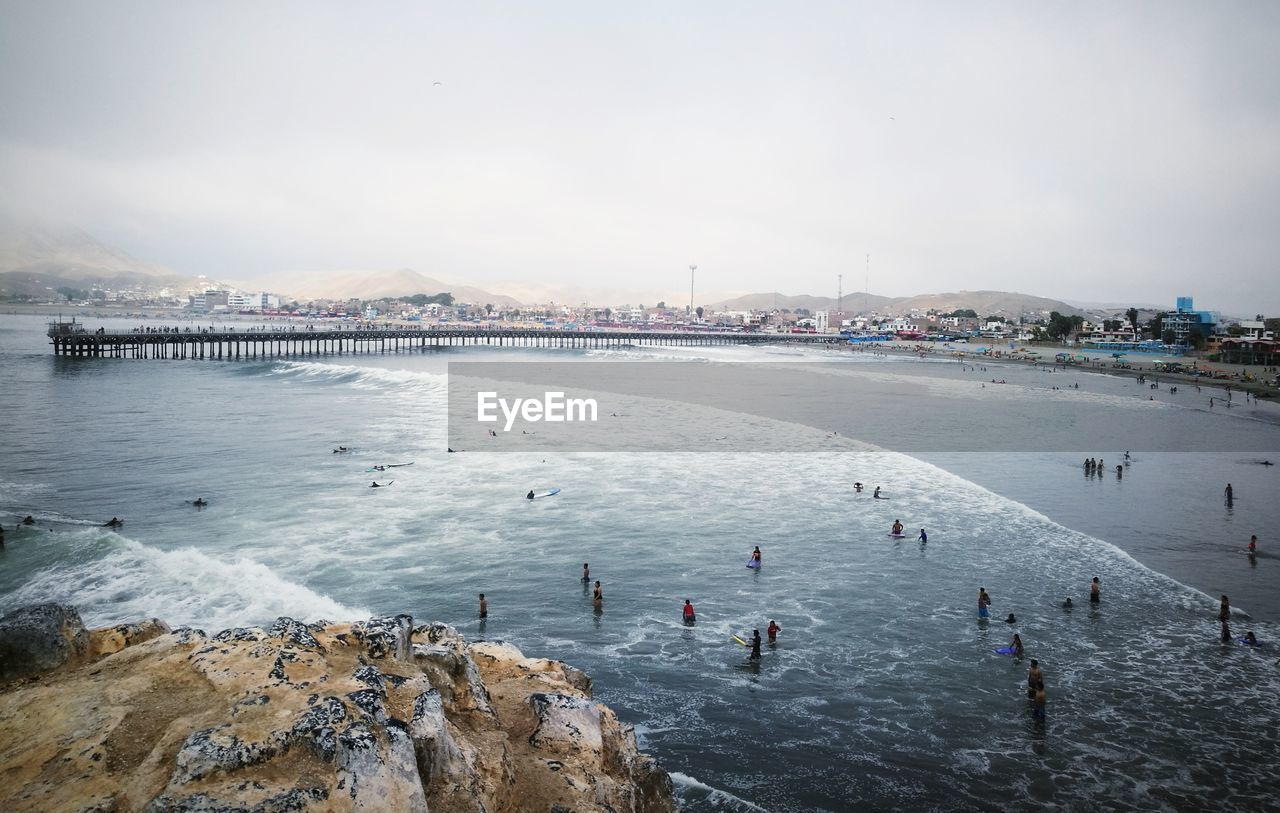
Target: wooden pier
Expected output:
[74,340]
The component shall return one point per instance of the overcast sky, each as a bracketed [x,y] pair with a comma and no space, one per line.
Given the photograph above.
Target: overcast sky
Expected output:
[1106,151]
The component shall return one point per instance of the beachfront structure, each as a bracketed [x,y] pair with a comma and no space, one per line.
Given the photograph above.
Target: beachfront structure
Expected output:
[1250,351]
[1186,320]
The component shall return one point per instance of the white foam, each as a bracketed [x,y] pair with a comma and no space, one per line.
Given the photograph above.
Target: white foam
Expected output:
[713,794]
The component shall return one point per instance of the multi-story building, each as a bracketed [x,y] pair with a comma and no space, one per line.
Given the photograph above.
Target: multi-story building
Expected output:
[1186,320]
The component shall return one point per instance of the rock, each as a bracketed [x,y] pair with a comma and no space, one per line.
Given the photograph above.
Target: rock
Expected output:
[109,640]
[564,720]
[39,638]
[387,637]
[312,717]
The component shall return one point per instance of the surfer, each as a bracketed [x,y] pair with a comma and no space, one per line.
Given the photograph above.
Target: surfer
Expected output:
[755,645]
[876,494]
[597,598]
[689,617]
[1095,591]
[1034,678]
[1249,639]
[1224,609]
[484,607]
[376,484]
[924,537]
[529,496]
[984,601]
[341,450]
[114,523]
[586,572]
[773,631]
[896,530]
[30,520]
[379,468]
[199,502]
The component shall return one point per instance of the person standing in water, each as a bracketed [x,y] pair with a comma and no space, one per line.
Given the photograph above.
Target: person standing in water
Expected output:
[1017,645]
[896,530]
[876,493]
[1095,591]
[484,607]
[773,631]
[984,601]
[857,488]
[597,598]
[755,645]
[529,496]
[1226,633]
[924,537]
[755,556]
[689,617]
[1253,543]
[586,572]
[1224,609]
[1034,677]
[1228,494]
[1041,701]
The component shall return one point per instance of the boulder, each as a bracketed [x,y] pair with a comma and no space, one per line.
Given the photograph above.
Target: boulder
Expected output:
[38,638]
[565,721]
[109,640]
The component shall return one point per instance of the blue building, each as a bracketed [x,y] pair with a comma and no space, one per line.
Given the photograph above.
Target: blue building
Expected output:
[1186,320]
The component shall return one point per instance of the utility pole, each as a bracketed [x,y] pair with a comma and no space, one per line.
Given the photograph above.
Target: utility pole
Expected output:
[692,269]
[840,293]
[866,290]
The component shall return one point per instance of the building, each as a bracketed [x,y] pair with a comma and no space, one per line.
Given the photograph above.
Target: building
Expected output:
[1186,320]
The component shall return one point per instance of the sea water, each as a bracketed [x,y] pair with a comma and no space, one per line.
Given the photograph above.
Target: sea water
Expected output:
[883,691]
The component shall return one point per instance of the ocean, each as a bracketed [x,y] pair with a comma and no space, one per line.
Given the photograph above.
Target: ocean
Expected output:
[884,690]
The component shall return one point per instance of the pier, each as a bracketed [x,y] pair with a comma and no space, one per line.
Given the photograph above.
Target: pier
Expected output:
[74,340]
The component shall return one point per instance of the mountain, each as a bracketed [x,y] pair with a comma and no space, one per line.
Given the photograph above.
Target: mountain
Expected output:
[985,303]
[379,284]
[39,256]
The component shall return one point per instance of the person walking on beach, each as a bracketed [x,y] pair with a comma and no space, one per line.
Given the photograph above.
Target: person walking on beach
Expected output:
[773,631]
[1095,591]
[597,598]
[689,617]
[484,607]
[984,601]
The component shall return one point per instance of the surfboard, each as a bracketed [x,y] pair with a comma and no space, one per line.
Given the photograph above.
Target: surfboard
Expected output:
[753,564]
[739,640]
[550,493]
[897,536]
[1005,650]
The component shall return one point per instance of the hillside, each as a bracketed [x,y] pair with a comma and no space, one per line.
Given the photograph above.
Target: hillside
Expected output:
[853,302]
[378,284]
[985,303]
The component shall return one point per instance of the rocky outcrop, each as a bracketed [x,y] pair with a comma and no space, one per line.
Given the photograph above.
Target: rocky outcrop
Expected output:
[39,638]
[370,716]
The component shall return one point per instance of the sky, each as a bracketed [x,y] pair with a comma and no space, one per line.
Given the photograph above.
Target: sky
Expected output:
[1096,151]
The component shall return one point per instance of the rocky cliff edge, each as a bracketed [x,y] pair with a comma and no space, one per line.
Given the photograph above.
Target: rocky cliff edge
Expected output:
[377,715]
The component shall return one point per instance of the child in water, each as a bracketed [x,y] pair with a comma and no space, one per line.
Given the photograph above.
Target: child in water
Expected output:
[689,617]
[774,629]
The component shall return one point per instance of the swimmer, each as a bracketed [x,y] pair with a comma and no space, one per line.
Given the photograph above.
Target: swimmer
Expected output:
[1034,678]
[1249,639]
[30,520]
[1095,591]
[529,496]
[924,537]
[755,645]
[1012,619]
[984,601]
[586,572]
[877,493]
[1066,605]
[773,631]
[755,556]
[114,523]
[897,528]
[857,487]
[376,484]
[689,618]
[341,450]
[199,502]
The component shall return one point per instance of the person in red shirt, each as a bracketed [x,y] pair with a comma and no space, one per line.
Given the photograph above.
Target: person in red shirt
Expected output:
[773,631]
[689,618]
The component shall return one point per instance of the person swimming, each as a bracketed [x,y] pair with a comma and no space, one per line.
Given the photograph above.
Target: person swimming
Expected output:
[529,496]
[689,618]
[199,502]
[1012,619]
[30,520]
[114,523]
[896,530]
[341,449]
[924,537]
[1066,605]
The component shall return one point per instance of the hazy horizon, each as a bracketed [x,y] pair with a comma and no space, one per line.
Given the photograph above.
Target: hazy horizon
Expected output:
[1077,152]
